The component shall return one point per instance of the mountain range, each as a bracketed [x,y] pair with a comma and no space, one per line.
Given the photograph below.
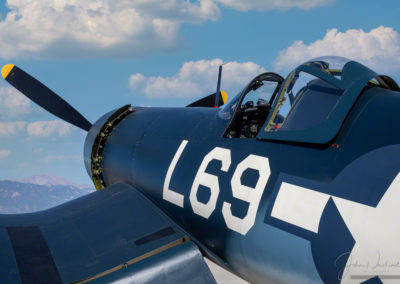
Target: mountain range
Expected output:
[37,193]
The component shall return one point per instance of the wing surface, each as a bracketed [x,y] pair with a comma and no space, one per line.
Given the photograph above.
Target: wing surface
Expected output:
[95,236]
[180,264]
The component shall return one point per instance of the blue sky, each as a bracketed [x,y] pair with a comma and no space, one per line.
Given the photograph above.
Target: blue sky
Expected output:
[100,55]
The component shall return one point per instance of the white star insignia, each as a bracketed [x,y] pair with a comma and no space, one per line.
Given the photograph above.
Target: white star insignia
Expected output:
[376,231]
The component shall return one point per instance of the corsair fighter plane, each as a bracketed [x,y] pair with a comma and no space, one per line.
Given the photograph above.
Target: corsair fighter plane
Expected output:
[294,180]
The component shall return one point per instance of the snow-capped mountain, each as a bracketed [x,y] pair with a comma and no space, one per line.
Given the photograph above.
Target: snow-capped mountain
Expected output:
[51,180]
[38,193]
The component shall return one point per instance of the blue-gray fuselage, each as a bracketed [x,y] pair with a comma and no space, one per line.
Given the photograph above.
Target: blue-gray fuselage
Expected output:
[288,239]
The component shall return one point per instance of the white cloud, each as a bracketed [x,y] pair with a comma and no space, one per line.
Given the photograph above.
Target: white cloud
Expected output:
[265,5]
[74,28]
[10,128]
[12,103]
[4,153]
[47,128]
[196,78]
[378,49]
[50,28]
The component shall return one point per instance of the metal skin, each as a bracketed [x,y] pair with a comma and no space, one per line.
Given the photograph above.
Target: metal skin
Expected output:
[358,165]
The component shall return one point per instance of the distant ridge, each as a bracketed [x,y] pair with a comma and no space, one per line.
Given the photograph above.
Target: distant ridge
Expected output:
[37,193]
[51,180]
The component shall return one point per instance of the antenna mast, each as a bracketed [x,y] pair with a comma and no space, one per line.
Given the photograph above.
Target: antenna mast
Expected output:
[218,93]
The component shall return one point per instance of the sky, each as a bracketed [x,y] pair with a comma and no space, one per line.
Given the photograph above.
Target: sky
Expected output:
[100,55]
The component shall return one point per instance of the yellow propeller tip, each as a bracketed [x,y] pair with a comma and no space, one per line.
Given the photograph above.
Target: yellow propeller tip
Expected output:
[224,96]
[6,70]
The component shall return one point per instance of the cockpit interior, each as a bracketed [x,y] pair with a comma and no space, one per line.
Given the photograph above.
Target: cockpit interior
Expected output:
[254,106]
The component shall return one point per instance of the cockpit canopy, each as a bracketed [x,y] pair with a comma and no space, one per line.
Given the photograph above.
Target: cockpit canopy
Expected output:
[307,100]
[308,106]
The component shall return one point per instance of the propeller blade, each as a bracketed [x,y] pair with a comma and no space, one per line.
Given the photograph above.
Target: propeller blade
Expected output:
[209,101]
[43,96]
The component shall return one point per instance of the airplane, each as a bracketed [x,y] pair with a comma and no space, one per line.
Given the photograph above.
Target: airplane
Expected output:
[293,180]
